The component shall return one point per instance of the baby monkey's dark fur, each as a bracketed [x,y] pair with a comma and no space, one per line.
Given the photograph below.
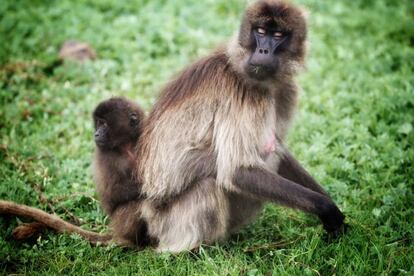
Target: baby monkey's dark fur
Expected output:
[118,125]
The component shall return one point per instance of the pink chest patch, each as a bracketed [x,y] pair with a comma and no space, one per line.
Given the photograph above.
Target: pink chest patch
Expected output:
[270,145]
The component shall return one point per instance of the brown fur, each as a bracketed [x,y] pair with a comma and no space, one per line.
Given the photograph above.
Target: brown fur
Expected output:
[211,124]
[114,162]
[211,151]
[114,158]
[52,221]
[119,194]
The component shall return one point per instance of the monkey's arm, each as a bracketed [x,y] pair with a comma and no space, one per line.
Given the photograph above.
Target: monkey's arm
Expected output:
[52,221]
[292,170]
[268,186]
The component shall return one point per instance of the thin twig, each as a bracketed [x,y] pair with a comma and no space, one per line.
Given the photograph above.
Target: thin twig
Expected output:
[308,267]
[73,195]
[275,245]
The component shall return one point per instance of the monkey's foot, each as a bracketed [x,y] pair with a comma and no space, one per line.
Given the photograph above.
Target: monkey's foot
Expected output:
[333,235]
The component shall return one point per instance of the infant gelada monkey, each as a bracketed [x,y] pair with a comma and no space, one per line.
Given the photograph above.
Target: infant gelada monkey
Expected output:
[118,125]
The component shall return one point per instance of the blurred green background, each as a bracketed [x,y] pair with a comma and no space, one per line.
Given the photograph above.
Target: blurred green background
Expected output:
[353,131]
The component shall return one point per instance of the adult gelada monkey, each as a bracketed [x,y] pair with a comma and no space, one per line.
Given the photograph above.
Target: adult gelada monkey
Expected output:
[212,150]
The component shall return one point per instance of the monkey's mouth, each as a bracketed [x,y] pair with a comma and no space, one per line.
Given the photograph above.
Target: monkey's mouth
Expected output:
[259,72]
[100,144]
[103,145]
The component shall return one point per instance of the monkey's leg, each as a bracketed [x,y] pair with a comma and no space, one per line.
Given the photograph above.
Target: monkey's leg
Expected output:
[292,170]
[268,186]
[129,228]
[197,216]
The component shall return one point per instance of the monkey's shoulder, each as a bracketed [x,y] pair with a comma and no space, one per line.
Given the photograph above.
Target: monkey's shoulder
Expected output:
[198,79]
[112,166]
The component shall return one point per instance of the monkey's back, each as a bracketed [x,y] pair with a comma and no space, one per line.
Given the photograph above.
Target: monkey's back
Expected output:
[206,122]
[179,131]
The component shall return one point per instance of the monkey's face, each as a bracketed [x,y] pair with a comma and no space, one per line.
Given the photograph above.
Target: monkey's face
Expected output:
[273,33]
[117,124]
[111,134]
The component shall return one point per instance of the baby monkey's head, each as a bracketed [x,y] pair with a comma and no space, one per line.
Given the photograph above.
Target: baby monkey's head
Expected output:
[118,122]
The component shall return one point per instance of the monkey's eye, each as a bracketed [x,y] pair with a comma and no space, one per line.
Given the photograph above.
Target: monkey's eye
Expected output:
[261,31]
[133,119]
[278,35]
[101,122]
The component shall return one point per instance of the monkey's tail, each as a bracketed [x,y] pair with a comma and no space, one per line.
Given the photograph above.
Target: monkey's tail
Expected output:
[52,221]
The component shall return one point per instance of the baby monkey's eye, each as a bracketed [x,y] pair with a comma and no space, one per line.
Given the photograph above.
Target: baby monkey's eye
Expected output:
[133,120]
[101,122]
[261,31]
[133,117]
[277,34]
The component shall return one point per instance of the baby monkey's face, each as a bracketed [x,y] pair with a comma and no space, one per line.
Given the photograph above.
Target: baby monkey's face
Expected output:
[117,124]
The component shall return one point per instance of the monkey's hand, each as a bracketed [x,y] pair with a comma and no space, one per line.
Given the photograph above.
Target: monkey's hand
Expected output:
[265,185]
[333,220]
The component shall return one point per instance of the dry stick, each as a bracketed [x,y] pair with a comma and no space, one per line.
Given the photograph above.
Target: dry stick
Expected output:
[72,195]
[52,221]
[275,245]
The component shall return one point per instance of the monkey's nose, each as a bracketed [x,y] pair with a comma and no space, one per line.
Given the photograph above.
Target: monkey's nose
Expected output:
[98,137]
[262,58]
[263,51]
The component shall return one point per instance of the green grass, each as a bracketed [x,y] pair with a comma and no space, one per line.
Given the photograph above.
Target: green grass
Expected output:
[354,131]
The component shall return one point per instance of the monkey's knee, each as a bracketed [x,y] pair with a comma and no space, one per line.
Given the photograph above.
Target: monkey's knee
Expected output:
[198,217]
[130,228]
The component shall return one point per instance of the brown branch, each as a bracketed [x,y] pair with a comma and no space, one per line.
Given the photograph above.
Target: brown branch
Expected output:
[72,195]
[275,245]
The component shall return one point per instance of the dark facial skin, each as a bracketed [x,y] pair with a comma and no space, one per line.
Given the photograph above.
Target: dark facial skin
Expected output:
[101,133]
[110,137]
[273,33]
[263,62]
